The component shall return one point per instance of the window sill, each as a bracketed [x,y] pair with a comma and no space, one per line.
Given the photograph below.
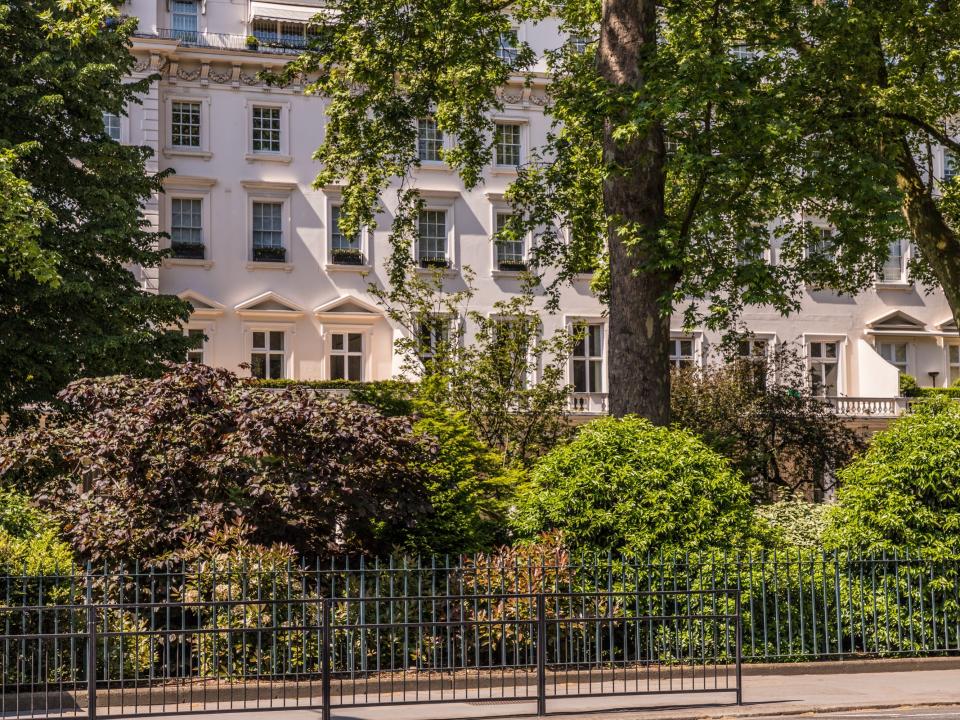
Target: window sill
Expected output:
[343,267]
[433,166]
[902,286]
[508,273]
[269,157]
[582,277]
[187,262]
[187,152]
[257,265]
[509,170]
[447,272]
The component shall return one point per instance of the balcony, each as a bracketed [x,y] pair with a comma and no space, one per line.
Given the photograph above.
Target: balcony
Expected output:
[224,41]
[588,403]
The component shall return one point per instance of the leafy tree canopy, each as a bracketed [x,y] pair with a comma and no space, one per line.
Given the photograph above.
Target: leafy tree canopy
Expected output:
[904,492]
[70,205]
[627,486]
[684,138]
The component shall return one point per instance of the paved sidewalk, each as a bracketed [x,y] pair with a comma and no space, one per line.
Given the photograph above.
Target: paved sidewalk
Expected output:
[764,695]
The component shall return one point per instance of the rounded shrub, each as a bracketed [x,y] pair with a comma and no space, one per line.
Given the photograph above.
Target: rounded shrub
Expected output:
[628,486]
[904,492]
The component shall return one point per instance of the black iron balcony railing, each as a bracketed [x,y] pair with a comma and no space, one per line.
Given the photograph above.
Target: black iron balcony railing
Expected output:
[225,41]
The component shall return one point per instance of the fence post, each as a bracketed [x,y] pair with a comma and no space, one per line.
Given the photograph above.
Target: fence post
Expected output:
[325,658]
[541,656]
[91,649]
[739,649]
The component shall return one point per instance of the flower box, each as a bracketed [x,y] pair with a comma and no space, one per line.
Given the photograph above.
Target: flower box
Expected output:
[269,254]
[188,251]
[347,256]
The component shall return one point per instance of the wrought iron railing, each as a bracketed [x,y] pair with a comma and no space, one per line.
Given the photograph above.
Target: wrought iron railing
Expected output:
[226,41]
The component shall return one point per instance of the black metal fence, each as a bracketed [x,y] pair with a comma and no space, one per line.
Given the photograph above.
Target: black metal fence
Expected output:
[165,643]
[236,636]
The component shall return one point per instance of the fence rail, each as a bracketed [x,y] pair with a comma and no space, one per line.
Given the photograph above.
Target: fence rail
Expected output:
[350,632]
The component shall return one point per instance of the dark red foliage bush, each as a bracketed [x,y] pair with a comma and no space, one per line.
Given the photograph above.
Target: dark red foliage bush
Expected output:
[138,469]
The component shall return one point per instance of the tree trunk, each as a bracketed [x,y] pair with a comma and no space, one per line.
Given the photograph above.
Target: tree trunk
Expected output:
[633,196]
[937,241]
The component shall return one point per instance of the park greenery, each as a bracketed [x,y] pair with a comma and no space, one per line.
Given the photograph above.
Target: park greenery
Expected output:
[71,206]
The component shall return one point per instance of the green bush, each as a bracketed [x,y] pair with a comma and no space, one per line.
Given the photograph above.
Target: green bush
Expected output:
[29,541]
[908,386]
[795,523]
[904,492]
[627,486]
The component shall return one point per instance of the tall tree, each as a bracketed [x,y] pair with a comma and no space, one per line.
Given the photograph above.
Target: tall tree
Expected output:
[70,205]
[687,139]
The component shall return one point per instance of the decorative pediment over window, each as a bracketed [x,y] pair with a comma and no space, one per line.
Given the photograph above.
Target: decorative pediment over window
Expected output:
[349,309]
[203,307]
[897,321]
[948,326]
[269,306]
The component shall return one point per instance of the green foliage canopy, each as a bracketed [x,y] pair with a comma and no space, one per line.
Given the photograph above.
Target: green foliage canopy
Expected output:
[71,203]
[627,486]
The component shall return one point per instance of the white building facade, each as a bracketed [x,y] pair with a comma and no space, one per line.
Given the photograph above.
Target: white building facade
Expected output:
[276,286]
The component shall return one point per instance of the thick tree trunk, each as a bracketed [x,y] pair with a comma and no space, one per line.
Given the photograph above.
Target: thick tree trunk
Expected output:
[937,241]
[638,350]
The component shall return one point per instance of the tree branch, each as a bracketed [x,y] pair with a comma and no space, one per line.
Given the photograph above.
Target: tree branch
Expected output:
[938,135]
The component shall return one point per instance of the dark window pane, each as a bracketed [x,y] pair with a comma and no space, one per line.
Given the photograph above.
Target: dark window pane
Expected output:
[259,340]
[258,365]
[276,341]
[276,366]
[355,364]
[355,342]
[337,367]
[338,342]
[579,376]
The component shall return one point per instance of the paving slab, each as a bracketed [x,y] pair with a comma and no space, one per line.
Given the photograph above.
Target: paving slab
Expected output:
[769,694]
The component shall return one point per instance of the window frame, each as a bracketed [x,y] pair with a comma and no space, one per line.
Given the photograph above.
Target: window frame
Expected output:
[908,353]
[268,351]
[439,162]
[809,360]
[334,200]
[196,15]
[329,329]
[201,151]
[207,331]
[904,280]
[266,192]
[181,187]
[588,359]
[445,202]
[676,356]
[522,131]
[950,365]
[346,353]
[283,154]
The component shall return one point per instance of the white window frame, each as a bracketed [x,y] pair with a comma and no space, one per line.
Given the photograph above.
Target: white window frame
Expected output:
[497,209]
[333,199]
[841,341]
[908,353]
[206,329]
[509,55]
[450,322]
[366,331]
[440,202]
[186,188]
[572,325]
[904,280]
[524,127]
[283,155]
[769,340]
[444,145]
[950,365]
[169,148]
[289,332]
[951,165]
[198,14]
[270,193]
[122,127]
[676,338]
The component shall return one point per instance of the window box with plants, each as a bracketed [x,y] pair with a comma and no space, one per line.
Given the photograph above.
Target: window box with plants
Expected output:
[253,42]
[269,253]
[434,263]
[512,265]
[347,256]
[188,250]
